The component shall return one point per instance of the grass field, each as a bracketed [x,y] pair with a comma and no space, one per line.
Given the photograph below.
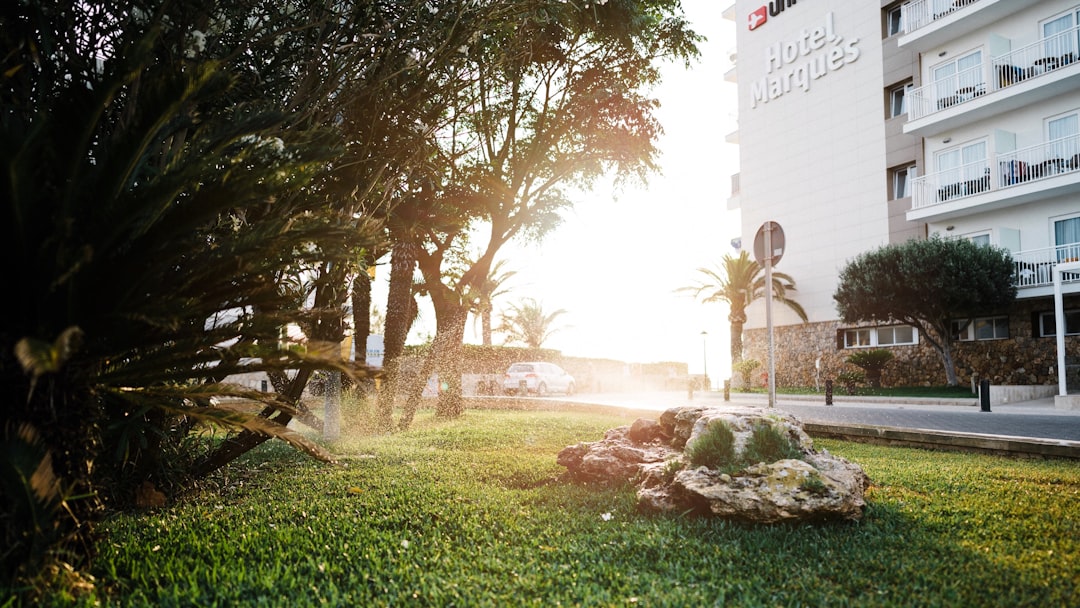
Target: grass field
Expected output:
[473,513]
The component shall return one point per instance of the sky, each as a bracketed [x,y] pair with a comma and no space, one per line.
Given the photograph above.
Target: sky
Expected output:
[617,259]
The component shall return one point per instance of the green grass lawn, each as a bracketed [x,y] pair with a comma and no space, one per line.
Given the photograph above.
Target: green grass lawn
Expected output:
[473,513]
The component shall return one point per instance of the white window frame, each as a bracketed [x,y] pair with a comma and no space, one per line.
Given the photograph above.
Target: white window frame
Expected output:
[959,80]
[873,338]
[1074,18]
[894,22]
[982,237]
[967,330]
[901,181]
[1063,255]
[1046,318]
[903,90]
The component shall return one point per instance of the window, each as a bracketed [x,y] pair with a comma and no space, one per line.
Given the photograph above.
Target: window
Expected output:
[958,80]
[856,337]
[897,335]
[894,22]
[1059,40]
[979,238]
[898,99]
[962,171]
[984,328]
[1063,140]
[1067,239]
[1048,324]
[892,336]
[901,181]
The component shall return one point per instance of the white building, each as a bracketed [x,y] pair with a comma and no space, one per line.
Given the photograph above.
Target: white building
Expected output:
[865,123]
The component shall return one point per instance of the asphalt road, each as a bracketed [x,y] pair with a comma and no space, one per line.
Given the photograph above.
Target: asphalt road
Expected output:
[1031,419]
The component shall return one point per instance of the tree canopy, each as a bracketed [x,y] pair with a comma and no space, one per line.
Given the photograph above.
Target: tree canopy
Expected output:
[738,282]
[927,284]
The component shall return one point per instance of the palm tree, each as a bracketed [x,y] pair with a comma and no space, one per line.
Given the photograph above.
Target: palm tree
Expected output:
[740,281]
[528,324]
[485,293]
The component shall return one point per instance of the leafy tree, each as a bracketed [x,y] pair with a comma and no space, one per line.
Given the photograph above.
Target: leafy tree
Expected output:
[739,281]
[927,284]
[555,96]
[528,324]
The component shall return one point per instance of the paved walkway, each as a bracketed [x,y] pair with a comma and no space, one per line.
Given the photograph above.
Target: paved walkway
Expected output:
[1026,426]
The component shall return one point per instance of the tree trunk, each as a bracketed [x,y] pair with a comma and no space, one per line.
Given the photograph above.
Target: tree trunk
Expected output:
[448,361]
[485,324]
[736,342]
[950,367]
[399,316]
[361,310]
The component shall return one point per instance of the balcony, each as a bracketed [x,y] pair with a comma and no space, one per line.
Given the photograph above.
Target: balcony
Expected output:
[931,23]
[921,13]
[1044,69]
[1013,178]
[1034,268]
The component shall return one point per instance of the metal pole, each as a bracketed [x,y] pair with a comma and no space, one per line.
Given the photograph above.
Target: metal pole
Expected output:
[768,311]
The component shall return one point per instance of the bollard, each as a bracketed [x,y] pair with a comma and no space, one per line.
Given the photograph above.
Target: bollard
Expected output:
[727,390]
[984,395]
[690,390]
[828,392]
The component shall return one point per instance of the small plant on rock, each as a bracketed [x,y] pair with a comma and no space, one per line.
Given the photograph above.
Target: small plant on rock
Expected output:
[672,467]
[814,485]
[768,443]
[714,448]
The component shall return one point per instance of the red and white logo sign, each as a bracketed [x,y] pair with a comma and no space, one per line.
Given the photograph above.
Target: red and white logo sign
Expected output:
[758,17]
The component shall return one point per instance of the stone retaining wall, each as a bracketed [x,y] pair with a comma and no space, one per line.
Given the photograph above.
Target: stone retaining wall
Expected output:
[1020,360]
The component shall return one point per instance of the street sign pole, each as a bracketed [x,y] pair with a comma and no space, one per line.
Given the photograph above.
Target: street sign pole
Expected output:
[769,244]
[768,311]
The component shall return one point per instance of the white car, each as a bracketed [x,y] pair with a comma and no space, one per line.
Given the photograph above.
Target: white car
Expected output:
[538,378]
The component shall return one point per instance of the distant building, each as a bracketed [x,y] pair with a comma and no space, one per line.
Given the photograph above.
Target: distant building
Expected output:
[868,123]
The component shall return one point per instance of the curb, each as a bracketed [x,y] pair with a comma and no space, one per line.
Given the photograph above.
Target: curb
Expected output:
[950,440]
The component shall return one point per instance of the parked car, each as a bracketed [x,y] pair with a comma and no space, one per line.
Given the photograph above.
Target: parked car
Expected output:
[537,377]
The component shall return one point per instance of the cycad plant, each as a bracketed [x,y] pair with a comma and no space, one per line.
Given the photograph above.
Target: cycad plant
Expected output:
[148,221]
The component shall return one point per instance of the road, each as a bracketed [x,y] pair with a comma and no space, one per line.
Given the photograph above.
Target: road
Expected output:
[1031,419]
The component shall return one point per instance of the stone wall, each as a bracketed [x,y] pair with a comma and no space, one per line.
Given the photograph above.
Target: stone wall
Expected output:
[1023,359]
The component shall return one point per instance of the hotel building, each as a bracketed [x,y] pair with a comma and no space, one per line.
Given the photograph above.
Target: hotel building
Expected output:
[868,123]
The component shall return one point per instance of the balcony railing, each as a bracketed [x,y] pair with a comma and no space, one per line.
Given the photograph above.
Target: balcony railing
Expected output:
[1021,166]
[921,13]
[947,92]
[1035,268]
[1042,57]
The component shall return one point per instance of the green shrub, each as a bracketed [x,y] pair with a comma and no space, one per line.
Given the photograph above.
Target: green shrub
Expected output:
[872,362]
[745,368]
[769,444]
[849,380]
[715,448]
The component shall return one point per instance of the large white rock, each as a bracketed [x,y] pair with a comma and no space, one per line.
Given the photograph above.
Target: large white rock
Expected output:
[816,486]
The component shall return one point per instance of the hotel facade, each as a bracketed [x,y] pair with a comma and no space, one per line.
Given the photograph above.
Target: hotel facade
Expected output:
[868,123]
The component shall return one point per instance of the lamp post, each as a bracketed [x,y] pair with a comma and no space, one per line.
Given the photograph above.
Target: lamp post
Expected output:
[705,359]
